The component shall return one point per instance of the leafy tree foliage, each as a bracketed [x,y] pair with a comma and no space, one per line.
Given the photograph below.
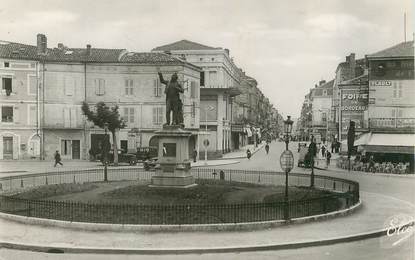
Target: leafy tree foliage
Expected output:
[104,114]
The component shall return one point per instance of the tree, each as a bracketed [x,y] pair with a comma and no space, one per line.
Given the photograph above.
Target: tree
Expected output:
[104,114]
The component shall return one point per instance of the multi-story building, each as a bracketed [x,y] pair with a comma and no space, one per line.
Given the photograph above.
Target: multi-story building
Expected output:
[321,102]
[245,109]
[353,104]
[391,108]
[350,69]
[305,120]
[219,83]
[69,76]
[19,96]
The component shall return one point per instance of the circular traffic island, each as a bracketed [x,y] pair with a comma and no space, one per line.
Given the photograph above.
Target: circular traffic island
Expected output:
[221,200]
[134,202]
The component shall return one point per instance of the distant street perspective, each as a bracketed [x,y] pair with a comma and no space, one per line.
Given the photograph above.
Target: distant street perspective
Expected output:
[208,130]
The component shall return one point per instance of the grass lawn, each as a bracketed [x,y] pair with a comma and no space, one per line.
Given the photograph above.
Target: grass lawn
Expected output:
[134,202]
[134,192]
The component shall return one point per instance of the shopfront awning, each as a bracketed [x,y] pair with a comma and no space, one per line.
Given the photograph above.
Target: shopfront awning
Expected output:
[248,131]
[388,143]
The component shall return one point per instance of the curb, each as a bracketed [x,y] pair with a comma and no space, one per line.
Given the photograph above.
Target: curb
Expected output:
[213,165]
[243,157]
[165,251]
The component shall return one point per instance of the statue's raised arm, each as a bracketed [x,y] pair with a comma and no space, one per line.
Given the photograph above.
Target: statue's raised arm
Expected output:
[173,102]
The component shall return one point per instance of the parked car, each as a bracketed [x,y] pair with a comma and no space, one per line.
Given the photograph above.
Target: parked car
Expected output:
[304,159]
[123,157]
[150,164]
[146,153]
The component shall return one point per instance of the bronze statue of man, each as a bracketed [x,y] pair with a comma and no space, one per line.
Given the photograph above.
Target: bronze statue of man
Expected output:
[173,102]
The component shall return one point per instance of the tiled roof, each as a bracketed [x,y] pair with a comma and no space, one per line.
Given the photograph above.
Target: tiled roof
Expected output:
[78,54]
[149,58]
[11,50]
[184,45]
[327,84]
[404,49]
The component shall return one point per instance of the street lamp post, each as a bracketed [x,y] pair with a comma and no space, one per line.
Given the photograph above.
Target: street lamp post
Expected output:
[106,152]
[287,162]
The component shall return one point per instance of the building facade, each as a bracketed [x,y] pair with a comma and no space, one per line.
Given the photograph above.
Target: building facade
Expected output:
[67,77]
[219,83]
[19,126]
[321,102]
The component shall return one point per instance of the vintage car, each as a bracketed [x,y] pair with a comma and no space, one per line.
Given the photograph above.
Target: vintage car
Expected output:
[146,153]
[123,157]
[150,164]
[304,158]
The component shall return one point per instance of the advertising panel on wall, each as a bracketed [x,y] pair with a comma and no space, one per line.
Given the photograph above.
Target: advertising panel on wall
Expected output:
[353,104]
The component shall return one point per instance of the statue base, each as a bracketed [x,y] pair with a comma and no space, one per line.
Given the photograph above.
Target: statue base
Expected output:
[173,169]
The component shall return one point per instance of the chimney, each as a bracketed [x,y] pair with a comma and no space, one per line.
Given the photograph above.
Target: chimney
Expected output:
[321,82]
[42,44]
[227,51]
[88,49]
[61,46]
[352,64]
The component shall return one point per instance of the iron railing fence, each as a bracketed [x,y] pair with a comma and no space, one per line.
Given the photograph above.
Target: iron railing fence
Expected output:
[345,194]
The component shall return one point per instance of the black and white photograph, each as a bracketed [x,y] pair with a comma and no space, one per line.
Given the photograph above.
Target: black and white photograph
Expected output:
[207,129]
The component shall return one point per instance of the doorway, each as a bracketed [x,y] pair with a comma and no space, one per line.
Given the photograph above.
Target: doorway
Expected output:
[7,147]
[76,149]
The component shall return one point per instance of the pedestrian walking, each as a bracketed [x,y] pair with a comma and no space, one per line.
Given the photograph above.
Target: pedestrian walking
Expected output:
[323,150]
[312,151]
[58,159]
[248,154]
[328,157]
[267,148]
[194,155]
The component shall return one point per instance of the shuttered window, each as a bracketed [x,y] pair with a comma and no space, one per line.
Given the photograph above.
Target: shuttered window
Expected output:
[69,86]
[99,87]
[158,113]
[129,114]
[157,88]
[129,87]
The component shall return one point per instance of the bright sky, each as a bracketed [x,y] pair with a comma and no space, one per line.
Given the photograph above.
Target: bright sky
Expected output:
[288,46]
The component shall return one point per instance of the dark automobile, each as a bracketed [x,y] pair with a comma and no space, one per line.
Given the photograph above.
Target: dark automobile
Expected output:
[146,153]
[304,159]
[150,164]
[123,157]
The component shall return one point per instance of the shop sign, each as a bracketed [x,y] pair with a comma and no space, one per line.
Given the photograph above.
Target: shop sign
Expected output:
[380,83]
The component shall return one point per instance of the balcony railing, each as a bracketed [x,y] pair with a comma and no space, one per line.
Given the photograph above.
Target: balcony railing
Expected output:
[400,123]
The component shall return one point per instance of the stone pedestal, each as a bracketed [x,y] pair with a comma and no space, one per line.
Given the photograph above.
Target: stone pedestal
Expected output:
[173,169]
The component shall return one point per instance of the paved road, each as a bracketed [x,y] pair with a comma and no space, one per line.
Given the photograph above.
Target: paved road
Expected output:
[401,188]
